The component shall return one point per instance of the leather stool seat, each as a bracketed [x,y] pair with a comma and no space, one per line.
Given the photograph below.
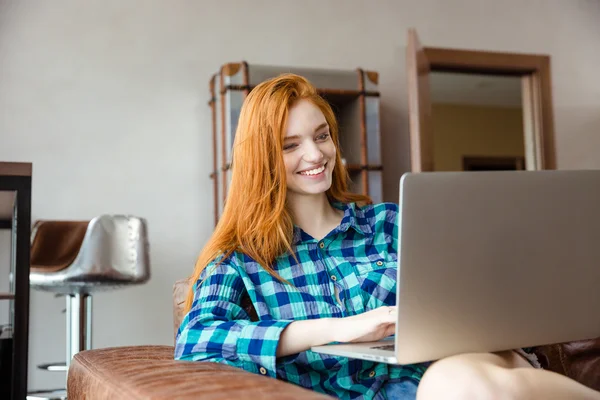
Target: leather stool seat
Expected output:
[86,256]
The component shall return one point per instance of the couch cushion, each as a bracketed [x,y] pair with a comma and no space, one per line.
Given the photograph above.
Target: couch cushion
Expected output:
[149,372]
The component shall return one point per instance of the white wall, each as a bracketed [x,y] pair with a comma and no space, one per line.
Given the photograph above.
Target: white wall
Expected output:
[108,99]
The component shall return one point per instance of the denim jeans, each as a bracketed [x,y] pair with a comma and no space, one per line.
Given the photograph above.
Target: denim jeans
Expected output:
[405,389]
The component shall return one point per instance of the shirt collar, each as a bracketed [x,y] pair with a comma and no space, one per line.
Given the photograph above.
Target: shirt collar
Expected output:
[353,218]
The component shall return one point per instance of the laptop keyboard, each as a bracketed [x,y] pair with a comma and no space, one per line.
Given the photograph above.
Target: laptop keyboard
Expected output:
[389,347]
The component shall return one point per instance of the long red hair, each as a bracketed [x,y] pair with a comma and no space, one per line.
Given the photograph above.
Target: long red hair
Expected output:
[255,220]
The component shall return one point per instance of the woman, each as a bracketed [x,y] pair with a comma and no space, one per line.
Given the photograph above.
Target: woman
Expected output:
[318,265]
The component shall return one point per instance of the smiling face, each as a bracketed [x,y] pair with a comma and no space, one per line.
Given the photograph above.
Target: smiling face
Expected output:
[308,151]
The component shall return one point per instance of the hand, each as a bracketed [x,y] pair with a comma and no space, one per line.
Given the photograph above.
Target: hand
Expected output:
[369,326]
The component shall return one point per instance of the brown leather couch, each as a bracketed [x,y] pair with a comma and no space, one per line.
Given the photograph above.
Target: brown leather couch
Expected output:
[149,372]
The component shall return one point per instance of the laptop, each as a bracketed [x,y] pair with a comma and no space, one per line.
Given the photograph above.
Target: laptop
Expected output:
[491,261]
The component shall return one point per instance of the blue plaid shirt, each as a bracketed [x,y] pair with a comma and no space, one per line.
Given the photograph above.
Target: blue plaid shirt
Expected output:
[350,271]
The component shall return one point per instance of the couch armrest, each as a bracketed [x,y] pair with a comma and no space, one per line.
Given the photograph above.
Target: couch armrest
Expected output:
[149,372]
[578,360]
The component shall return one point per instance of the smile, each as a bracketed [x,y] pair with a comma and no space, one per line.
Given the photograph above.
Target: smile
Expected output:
[312,172]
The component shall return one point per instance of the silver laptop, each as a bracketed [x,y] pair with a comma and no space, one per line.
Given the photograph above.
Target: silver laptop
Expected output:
[491,261]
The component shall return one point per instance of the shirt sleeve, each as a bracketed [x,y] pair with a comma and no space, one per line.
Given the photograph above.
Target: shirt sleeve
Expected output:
[218,329]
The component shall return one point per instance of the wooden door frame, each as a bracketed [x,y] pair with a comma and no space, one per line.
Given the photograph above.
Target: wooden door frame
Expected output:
[534,68]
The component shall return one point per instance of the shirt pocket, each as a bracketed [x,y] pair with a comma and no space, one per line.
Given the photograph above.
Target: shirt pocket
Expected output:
[377,280]
[376,266]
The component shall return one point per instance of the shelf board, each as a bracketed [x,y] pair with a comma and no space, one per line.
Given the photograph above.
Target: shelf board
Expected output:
[358,168]
[7,296]
[15,169]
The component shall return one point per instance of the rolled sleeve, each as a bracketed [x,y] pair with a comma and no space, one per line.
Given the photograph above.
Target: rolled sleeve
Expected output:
[257,345]
[218,329]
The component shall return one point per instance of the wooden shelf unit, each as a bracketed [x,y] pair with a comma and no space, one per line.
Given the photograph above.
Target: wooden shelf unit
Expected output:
[15,214]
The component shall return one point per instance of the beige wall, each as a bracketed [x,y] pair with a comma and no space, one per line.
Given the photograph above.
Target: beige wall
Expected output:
[108,99]
[465,130]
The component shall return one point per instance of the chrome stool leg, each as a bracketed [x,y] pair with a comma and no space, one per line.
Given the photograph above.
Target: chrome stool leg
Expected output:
[79,330]
[79,324]
[79,338]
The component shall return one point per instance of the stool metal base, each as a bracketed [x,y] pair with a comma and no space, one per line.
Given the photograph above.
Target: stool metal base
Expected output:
[58,394]
[53,367]
[79,324]
[79,337]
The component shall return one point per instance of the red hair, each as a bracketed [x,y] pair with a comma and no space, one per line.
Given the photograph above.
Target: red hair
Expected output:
[255,219]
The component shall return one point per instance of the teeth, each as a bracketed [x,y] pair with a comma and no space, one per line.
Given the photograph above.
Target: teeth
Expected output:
[314,171]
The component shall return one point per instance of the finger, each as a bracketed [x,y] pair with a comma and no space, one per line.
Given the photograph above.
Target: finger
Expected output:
[390,330]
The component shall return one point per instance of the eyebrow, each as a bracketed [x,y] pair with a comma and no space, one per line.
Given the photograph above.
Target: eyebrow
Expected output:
[317,129]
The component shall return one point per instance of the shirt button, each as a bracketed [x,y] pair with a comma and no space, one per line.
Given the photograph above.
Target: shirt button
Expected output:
[321,245]
[379,263]
[263,370]
[371,374]
[333,278]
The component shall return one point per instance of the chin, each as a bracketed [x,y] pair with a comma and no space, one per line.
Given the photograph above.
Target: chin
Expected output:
[321,189]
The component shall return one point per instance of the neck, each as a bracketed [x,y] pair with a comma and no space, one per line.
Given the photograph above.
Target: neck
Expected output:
[314,215]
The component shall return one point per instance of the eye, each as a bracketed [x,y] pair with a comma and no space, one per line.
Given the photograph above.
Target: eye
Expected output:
[323,136]
[289,146]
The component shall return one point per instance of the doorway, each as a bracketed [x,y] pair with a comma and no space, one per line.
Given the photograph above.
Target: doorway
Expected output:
[477,110]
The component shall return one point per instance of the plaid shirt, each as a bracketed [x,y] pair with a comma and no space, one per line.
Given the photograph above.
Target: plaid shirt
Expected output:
[350,271]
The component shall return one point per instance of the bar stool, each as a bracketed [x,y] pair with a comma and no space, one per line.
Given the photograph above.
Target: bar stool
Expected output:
[77,258]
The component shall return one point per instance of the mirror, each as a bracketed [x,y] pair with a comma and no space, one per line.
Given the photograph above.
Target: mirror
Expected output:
[477,122]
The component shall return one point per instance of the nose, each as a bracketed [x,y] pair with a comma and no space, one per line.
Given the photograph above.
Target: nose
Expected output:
[312,153]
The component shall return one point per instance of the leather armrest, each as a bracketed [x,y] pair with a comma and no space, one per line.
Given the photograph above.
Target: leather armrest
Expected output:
[149,372]
[578,360]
